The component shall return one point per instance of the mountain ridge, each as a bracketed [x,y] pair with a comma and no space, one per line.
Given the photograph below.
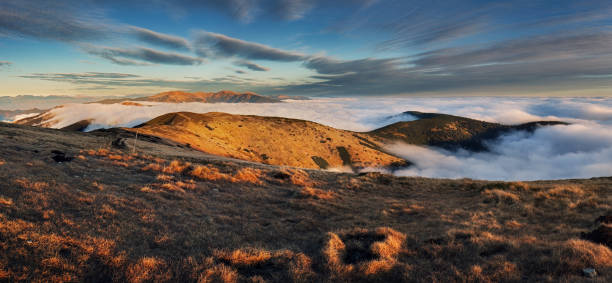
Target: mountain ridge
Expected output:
[450,131]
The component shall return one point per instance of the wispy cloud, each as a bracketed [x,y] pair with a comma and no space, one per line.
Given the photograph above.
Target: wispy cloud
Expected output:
[52,20]
[160,39]
[92,80]
[140,56]
[250,10]
[210,44]
[251,66]
[5,64]
[545,62]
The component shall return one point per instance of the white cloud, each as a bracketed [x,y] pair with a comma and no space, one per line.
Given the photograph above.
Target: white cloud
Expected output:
[557,152]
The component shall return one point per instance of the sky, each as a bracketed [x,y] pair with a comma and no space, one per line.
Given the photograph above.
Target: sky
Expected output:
[306,47]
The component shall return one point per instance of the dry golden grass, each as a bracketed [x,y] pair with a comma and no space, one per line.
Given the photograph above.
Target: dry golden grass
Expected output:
[243,175]
[171,187]
[91,221]
[189,184]
[575,254]
[148,269]
[6,201]
[206,172]
[27,184]
[362,251]
[269,140]
[249,175]
[259,265]
[164,177]
[152,167]
[121,163]
[299,177]
[500,196]
[99,152]
[115,157]
[219,273]
[561,191]
[176,167]
[244,256]
[309,192]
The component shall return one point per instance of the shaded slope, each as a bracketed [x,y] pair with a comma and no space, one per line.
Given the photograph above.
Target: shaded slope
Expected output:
[450,132]
[270,140]
[79,126]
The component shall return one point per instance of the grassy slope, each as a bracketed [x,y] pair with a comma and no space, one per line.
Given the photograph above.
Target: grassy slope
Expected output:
[113,215]
[450,131]
[270,140]
[282,141]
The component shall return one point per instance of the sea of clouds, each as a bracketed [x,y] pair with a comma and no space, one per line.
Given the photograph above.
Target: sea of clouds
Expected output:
[580,150]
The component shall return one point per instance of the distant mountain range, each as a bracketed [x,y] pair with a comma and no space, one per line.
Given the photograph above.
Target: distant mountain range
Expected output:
[10,115]
[24,102]
[224,96]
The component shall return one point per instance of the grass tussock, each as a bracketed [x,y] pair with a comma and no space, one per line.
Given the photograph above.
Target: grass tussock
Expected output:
[249,175]
[575,254]
[219,273]
[501,196]
[148,269]
[100,152]
[164,177]
[561,192]
[314,193]
[4,201]
[210,173]
[152,167]
[176,167]
[260,265]
[27,184]
[362,252]
[299,177]
[206,172]
[121,163]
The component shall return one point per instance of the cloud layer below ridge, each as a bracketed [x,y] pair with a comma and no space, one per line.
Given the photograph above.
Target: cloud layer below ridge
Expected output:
[580,150]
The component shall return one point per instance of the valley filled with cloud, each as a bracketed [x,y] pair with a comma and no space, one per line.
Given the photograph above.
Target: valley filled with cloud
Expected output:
[582,149]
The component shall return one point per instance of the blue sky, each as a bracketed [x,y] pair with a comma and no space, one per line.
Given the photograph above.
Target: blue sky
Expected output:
[300,47]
